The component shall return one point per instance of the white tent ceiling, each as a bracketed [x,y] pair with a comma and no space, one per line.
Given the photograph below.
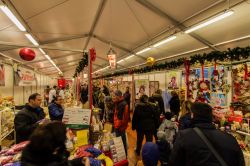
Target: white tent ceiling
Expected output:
[69,26]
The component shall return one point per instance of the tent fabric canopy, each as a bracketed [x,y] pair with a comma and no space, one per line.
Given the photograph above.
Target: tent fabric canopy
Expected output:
[127,25]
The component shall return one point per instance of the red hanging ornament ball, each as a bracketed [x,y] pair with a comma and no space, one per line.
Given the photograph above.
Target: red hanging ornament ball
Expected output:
[92,54]
[27,54]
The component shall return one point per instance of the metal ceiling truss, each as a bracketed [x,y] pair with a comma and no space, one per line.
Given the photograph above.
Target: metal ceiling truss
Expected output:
[176,23]
[97,17]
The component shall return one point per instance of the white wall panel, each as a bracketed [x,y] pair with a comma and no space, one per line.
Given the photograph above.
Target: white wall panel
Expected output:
[7,90]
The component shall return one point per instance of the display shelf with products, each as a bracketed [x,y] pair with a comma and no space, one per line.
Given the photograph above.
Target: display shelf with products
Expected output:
[7,114]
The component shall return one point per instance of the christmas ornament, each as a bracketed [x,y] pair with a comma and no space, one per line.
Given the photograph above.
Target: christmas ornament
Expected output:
[150,61]
[27,54]
[92,54]
[130,71]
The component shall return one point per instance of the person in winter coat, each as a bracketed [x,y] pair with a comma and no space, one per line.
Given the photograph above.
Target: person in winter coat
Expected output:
[108,116]
[174,104]
[156,108]
[143,122]
[47,147]
[150,155]
[52,93]
[121,117]
[105,90]
[185,115]
[127,97]
[190,150]
[158,97]
[84,94]
[168,130]
[27,120]
[56,110]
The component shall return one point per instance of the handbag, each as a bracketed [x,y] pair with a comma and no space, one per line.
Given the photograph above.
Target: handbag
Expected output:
[210,146]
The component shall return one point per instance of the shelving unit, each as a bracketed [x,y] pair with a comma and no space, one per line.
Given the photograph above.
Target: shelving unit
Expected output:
[7,124]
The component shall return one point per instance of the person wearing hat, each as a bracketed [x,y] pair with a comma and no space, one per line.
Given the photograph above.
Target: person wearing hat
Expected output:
[121,117]
[191,146]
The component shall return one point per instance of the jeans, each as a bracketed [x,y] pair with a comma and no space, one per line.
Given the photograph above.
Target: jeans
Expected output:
[123,135]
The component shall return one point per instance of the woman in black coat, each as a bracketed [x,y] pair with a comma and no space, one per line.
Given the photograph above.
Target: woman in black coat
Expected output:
[174,104]
[47,147]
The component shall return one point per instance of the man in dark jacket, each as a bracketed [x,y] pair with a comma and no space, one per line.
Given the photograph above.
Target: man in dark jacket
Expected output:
[56,110]
[27,120]
[174,104]
[143,122]
[158,97]
[190,150]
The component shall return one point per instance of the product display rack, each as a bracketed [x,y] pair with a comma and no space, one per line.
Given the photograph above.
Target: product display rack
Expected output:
[7,124]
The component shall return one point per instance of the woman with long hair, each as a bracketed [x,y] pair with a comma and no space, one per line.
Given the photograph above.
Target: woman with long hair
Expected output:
[185,115]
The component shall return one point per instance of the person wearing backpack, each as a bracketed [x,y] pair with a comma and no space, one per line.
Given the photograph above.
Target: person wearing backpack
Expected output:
[143,122]
[204,144]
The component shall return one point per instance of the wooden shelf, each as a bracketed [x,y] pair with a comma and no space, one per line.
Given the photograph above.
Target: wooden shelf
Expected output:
[243,133]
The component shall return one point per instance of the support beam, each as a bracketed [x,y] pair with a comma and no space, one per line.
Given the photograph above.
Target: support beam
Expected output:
[50,41]
[58,64]
[55,58]
[97,17]
[64,39]
[117,46]
[176,23]
[32,46]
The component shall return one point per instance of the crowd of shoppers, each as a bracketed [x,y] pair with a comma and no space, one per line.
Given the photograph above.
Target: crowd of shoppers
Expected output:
[185,137]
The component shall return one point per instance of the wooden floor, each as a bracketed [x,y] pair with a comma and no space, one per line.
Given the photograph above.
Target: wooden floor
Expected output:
[132,158]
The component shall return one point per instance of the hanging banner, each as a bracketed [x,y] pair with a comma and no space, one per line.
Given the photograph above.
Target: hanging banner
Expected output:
[112,61]
[25,77]
[2,75]
[61,83]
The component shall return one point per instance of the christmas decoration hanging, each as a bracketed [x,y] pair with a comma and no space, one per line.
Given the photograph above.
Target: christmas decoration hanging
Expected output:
[150,61]
[230,55]
[27,54]
[92,54]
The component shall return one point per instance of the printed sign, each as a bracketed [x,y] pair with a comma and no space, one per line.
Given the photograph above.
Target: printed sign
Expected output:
[112,61]
[25,77]
[77,116]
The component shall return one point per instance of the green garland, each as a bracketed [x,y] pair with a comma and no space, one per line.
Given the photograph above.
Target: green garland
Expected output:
[82,64]
[230,55]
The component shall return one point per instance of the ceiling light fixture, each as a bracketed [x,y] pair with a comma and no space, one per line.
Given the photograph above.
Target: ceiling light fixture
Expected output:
[213,20]
[129,57]
[120,61]
[164,41]
[32,40]
[13,18]
[42,51]
[144,50]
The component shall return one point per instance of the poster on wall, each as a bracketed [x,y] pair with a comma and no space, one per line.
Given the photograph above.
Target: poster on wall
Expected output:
[218,99]
[173,80]
[25,77]
[153,86]
[2,75]
[141,87]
